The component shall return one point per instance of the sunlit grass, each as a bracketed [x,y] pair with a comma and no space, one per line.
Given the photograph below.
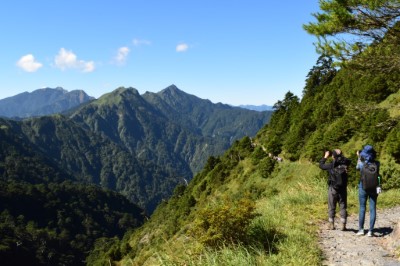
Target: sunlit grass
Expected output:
[293,207]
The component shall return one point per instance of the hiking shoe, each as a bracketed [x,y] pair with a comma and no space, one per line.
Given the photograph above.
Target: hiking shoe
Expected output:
[331,226]
[360,232]
[370,233]
[343,227]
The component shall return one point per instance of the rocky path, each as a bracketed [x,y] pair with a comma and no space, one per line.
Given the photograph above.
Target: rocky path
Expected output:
[346,248]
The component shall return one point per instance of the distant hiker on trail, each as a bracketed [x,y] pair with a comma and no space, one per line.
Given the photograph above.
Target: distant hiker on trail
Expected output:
[337,186]
[369,187]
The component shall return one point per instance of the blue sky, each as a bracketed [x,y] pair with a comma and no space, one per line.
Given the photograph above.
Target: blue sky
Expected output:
[234,52]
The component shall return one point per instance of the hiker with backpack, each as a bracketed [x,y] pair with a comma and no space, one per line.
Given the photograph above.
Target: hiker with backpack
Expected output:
[368,188]
[337,186]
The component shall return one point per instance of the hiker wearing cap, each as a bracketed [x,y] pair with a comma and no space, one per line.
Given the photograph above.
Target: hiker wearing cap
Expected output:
[369,168]
[337,186]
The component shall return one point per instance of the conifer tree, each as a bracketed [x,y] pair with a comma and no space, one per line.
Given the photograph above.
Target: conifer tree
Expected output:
[346,28]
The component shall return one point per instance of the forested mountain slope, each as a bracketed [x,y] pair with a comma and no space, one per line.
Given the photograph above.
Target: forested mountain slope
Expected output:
[131,145]
[171,128]
[245,208]
[47,217]
[214,120]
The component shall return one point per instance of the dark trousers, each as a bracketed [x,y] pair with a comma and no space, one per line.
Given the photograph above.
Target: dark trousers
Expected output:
[337,196]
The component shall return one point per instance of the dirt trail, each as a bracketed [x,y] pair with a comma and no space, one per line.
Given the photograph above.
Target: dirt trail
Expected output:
[346,248]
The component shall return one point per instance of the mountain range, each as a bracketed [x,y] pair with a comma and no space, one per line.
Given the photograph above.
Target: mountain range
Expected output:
[49,101]
[139,145]
[40,102]
[259,108]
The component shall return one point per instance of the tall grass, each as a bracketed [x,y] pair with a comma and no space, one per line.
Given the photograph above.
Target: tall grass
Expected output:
[287,228]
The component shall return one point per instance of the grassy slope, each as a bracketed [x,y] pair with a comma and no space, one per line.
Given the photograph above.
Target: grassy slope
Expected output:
[292,204]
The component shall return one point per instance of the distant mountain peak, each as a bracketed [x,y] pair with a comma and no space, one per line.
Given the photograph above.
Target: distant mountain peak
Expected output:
[120,92]
[172,90]
[45,101]
[171,87]
[60,89]
[125,91]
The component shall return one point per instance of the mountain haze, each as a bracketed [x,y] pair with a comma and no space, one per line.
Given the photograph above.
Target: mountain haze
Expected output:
[257,107]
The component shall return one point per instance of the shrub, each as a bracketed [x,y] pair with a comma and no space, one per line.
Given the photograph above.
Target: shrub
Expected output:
[258,155]
[393,143]
[266,166]
[225,222]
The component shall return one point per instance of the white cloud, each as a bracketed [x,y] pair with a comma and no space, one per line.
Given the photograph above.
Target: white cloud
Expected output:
[28,63]
[121,56]
[88,66]
[138,42]
[67,59]
[182,47]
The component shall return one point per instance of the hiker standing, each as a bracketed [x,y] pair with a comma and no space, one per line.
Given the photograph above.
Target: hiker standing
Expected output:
[367,189]
[337,186]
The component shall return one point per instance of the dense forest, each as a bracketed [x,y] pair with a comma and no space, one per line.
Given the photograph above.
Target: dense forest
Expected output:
[46,217]
[245,207]
[58,223]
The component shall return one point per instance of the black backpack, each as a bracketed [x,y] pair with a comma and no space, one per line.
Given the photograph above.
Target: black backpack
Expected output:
[369,176]
[338,176]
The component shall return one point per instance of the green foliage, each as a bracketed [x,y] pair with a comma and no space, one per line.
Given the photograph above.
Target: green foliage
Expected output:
[266,166]
[390,175]
[225,222]
[366,21]
[375,125]
[393,143]
[211,163]
[274,144]
[342,109]
[280,122]
[295,140]
[258,155]
[104,251]
[377,89]
[58,223]
[339,132]
[320,75]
